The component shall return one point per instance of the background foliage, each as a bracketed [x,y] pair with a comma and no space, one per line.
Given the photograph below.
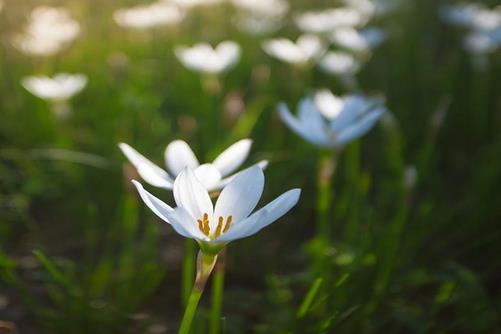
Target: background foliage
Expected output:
[79,253]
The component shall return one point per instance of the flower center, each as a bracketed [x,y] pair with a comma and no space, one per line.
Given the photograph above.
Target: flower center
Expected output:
[222,226]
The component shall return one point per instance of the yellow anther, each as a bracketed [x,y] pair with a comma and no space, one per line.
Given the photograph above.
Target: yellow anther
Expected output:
[219,227]
[203,224]
[228,223]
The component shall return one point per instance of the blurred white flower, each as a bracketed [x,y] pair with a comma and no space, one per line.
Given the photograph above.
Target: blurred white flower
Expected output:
[327,20]
[48,31]
[374,8]
[156,14]
[230,219]
[256,25]
[305,50]
[195,3]
[330,121]
[483,25]
[61,87]
[179,155]
[480,43]
[276,8]
[259,17]
[339,63]
[472,15]
[204,58]
[358,41]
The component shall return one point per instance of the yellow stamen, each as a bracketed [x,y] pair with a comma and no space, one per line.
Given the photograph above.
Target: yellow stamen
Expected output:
[228,223]
[203,224]
[219,227]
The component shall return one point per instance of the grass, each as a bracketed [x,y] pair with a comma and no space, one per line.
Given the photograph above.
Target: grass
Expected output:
[79,253]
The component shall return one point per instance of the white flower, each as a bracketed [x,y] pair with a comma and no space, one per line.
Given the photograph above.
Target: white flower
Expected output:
[48,31]
[179,155]
[230,219]
[268,8]
[339,63]
[330,121]
[61,87]
[259,17]
[204,58]
[149,16]
[481,43]
[195,3]
[358,41]
[256,25]
[327,20]
[306,49]
[472,15]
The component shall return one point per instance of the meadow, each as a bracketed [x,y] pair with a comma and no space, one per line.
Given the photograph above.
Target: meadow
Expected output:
[396,229]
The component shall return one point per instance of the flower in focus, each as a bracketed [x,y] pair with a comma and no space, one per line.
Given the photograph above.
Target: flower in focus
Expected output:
[358,41]
[327,20]
[259,17]
[339,63]
[49,30]
[156,14]
[330,121]
[61,87]
[230,219]
[179,155]
[305,50]
[204,58]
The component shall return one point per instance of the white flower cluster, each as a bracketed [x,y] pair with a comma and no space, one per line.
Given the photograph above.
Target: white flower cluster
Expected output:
[49,30]
[483,25]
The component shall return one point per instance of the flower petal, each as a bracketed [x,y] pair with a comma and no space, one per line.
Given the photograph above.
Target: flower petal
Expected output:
[150,172]
[302,129]
[208,175]
[262,164]
[179,155]
[233,157]
[191,195]
[263,217]
[360,128]
[241,195]
[162,210]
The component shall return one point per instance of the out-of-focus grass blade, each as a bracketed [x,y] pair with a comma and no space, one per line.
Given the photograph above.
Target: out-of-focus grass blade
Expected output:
[58,277]
[310,296]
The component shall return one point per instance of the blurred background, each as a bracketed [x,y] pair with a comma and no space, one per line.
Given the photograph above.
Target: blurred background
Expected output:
[416,207]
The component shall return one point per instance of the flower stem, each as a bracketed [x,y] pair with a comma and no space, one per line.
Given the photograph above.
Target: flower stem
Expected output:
[217,293]
[326,168]
[205,264]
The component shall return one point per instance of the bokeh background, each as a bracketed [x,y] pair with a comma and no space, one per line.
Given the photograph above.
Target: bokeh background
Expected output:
[416,210]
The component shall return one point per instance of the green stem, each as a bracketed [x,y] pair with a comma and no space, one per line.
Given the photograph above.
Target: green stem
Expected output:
[217,294]
[188,270]
[205,264]
[327,165]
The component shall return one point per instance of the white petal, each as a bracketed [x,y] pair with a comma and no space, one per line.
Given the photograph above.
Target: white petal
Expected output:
[263,164]
[233,157]
[241,195]
[179,155]
[328,104]
[263,217]
[191,195]
[150,172]
[354,107]
[162,210]
[302,129]
[208,175]
[360,128]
